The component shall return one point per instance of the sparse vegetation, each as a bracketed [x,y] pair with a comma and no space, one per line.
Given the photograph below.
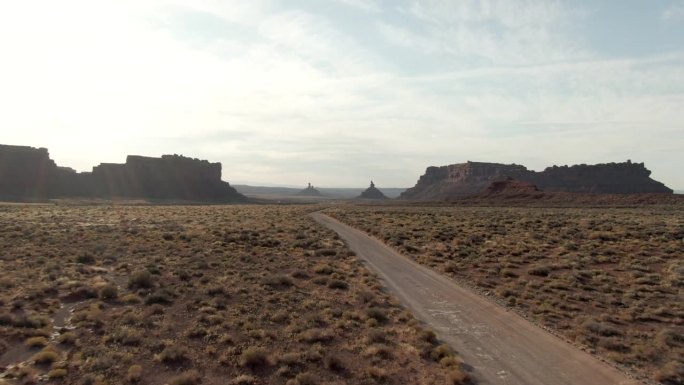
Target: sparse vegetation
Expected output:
[189,295]
[609,279]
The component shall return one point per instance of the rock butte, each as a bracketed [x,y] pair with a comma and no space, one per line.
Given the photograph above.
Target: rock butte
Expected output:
[474,177]
[372,192]
[310,191]
[28,174]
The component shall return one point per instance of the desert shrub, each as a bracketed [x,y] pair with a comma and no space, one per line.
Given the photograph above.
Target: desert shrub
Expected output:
[127,336]
[338,284]
[131,299]
[378,350]
[602,329]
[614,345]
[376,314]
[509,273]
[57,373]
[671,338]
[254,356]
[217,290]
[458,377]
[243,380]
[333,362]
[541,271]
[6,319]
[280,316]
[323,269]
[316,335]
[427,336]
[306,378]
[450,361]
[173,355]
[108,292]
[441,351]
[671,373]
[183,275]
[162,297]
[191,377]
[278,280]
[376,335]
[289,359]
[45,356]
[300,274]
[141,279]
[85,259]
[134,373]
[36,342]
[378,374]
[326,253]
[67,338]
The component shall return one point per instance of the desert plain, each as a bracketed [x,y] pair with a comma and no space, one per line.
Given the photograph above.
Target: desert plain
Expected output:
[262,294]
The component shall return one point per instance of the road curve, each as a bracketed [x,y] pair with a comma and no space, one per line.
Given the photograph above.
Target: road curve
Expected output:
[501,346]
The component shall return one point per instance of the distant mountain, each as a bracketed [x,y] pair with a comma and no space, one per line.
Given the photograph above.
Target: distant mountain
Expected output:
[470,178]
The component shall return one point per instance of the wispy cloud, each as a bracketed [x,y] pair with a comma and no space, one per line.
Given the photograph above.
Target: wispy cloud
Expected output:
[289,94]
[673,13]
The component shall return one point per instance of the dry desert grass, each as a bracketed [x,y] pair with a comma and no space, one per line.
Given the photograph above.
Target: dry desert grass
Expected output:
[611,280]
[190,295]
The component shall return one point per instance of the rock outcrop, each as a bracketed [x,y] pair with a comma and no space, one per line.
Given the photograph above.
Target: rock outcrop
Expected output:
[372,192]
[309,191]
[28,173]
[474,177]
[511,186]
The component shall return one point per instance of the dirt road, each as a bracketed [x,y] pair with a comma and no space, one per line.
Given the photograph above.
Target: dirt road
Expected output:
[502,347]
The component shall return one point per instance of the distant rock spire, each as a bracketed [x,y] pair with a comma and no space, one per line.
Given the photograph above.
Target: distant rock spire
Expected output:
[372,193]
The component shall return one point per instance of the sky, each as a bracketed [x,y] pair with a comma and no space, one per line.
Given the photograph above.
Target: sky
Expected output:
[339,92]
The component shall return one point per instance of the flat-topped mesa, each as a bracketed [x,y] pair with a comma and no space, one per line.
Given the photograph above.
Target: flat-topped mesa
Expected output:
[169,177]
[372,192]
[474,177]
[27,173]
[603,178]
[461,179]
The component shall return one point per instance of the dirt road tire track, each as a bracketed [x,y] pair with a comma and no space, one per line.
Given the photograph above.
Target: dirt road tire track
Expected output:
[501,346]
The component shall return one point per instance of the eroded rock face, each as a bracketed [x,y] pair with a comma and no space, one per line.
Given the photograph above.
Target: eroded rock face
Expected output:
[511,186]
[474,177]
[28,173]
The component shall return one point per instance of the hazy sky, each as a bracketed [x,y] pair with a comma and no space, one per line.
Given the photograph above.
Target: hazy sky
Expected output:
[338,92]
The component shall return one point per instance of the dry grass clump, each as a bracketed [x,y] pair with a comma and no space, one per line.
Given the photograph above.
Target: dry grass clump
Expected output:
[609,279]
[254,356]
[191,377]
[36,342]
[46,356]
[134,374]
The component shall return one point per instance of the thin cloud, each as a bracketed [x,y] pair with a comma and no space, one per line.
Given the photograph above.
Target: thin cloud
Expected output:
[675,13]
